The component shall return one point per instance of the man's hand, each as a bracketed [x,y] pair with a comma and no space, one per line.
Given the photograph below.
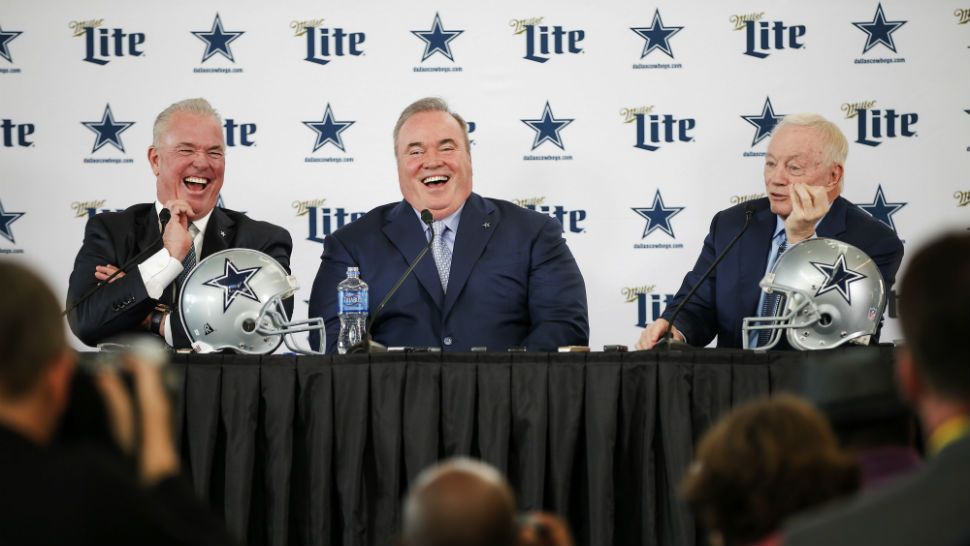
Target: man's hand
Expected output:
[176,238]
[544,529]
[157,458]
[102,272]
[654,331]
[808,205]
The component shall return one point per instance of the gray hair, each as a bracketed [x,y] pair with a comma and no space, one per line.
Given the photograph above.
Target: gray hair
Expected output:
[429,104]
[198,106]
[835,148]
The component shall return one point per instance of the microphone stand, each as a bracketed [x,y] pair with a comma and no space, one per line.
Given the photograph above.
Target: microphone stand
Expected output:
[164,216]
[367,343]
[667,341]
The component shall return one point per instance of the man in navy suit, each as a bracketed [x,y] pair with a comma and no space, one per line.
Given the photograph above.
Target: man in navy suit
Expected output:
[804,168]
[187,156]
[498,276]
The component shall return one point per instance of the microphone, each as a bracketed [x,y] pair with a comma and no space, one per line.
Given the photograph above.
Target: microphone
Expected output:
[163,216]
[667,341]
[366,343]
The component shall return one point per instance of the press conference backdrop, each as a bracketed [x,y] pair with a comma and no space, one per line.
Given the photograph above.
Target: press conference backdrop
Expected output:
[632,123]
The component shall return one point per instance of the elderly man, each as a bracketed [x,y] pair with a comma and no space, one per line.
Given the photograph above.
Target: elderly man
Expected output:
[804,170]
[187,156]
[930,506]
[501,275]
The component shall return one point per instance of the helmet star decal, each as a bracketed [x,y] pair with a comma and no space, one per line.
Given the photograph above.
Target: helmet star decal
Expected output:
[837,277]
[234,282]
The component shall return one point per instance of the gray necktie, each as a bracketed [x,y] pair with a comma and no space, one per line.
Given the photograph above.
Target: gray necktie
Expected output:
[441,253]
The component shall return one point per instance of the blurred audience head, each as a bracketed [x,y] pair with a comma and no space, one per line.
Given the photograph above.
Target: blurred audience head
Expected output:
[765,460]
[934,310]
[459,502]
[36,363]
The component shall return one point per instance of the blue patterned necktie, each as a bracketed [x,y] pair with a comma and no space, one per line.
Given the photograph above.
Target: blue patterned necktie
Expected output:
[189,261]
[772,301]
[441,253]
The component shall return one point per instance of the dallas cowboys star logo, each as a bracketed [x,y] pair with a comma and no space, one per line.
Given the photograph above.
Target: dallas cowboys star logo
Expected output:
[437,39]
[328,130]
[879,30]
[217,40]
[547,128]
[234,282]
[657,216]
[656,36]
[7,218]
[882,210]
[108,130]
[7,36]
[837,277]
[764,123]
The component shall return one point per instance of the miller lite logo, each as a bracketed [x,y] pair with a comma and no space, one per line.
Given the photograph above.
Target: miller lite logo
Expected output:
[650,302]
[875,124]
[570,220]
[654,129]
[102,44]
[88,209]
[239,134]
[323,43]
[15,134]
[322,220]
[543,40]
[762,37]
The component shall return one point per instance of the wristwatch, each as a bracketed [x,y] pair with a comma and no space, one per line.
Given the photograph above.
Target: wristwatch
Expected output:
[160,312]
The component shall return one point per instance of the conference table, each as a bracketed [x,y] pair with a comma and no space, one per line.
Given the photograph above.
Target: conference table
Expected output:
[320,450]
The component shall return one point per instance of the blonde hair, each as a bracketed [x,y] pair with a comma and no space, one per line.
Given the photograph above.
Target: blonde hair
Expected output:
[198,106]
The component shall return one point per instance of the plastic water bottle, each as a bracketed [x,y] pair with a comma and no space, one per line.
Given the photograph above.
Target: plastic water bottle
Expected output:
[352,303]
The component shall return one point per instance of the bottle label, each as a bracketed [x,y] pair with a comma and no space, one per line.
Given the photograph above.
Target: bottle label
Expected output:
[352,301]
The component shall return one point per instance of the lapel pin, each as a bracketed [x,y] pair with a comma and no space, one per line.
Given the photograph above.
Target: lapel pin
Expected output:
[223,233]
[486,225]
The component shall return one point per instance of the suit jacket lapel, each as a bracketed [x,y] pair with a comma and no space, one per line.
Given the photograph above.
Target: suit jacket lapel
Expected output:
[405,231]
[146,233]
[220,233]
[833,224]
[470,242]
[752,259]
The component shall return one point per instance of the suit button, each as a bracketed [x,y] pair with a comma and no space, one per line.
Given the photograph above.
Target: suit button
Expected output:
[448,341]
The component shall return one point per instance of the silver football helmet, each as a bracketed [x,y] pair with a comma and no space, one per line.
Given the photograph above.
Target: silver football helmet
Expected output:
[233,299]
[830,293]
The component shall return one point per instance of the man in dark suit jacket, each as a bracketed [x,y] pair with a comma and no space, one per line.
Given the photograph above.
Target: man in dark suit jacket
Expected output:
[187,156]
[510,281]
[930,506]
[804,167]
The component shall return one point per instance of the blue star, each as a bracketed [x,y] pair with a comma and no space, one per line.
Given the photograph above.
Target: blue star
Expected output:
[547,128]
[108,130]
[328,130]
[5,38]
[764,123]
[217,40]
[837,277]
[879,30]
[656,36]
[7,218]
[234,282]
[658,216]
[437,39]
[882,210]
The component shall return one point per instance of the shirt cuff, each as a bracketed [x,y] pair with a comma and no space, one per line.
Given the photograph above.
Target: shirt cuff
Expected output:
[158,272]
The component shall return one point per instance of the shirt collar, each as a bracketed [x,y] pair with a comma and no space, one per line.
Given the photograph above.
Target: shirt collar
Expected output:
[451,221]
[200,224]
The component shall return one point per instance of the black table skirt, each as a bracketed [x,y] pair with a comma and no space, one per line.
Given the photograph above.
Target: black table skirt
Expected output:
[320,450]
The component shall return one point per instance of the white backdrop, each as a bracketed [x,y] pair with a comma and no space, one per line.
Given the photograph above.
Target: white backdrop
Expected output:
[905,63]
